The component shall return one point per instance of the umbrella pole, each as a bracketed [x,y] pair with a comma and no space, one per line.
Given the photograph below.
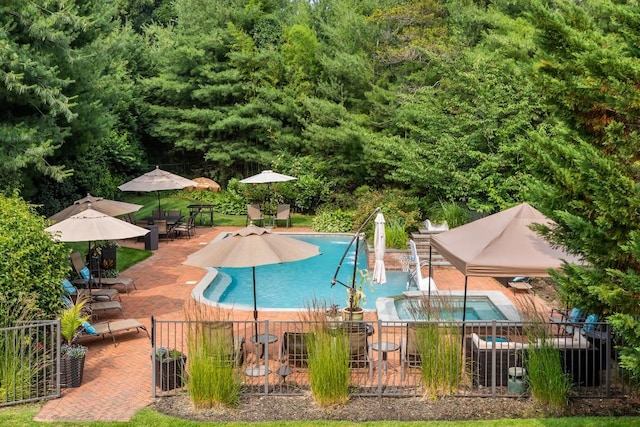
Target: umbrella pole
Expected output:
[464,307]
[255,304]
[159,207]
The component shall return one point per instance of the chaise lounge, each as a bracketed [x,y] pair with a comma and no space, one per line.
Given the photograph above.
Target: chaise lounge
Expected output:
[86,279]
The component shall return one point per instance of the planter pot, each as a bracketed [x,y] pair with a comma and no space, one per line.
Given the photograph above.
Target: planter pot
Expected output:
[170,373]
[71,369]
[356,314]
[108,258]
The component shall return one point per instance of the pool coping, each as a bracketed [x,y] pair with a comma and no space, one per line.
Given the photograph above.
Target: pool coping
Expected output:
[386,308]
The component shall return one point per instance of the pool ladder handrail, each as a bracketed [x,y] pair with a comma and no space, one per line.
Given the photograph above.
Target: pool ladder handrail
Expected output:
[412,276]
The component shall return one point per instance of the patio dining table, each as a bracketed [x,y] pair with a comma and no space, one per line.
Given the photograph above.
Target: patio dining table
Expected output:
[171,220]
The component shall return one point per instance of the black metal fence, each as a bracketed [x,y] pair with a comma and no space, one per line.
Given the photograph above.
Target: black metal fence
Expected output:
[399,358]
[29,362]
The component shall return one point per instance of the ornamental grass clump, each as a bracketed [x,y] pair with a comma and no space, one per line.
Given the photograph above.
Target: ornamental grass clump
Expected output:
[547,382]
[439,345]
[19,363]
[329,367]
[328,358]
[212,378]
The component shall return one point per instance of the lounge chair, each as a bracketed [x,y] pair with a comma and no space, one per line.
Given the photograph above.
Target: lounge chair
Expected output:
[112,328]
[96,294]
[95,307]
[425,284]
[295,349]
[283,214]
[254,215]
[86,279]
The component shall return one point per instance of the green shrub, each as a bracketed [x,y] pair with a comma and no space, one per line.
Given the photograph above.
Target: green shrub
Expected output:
[329,367]
[396,234]
[451,212]
[396,207]
[32,264]
[332,221]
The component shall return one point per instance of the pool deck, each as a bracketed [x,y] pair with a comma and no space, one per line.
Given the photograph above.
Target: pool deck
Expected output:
[117,379]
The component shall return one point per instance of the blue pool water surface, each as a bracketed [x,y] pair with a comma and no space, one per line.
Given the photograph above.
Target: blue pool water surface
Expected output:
[478,308]
[294,285]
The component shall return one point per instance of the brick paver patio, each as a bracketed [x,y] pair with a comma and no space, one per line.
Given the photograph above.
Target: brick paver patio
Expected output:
[117,379]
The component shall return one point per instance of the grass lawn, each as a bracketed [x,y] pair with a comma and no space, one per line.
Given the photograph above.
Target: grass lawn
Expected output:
[22,415]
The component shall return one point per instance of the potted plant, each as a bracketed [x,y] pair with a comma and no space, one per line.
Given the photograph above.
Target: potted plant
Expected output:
[356,297]
[72,356]
[333,315]
[108,258]
[170,368]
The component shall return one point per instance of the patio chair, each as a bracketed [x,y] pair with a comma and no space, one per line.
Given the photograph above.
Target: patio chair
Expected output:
[357,334]
[254,215]
[86,279]
[111,328]
[96,294]
[295,349]
[283,214]
[130,218]
[186,228]
[164,229]
[175,213]
[98,307]
[158,214]
[220,342]
[568,322]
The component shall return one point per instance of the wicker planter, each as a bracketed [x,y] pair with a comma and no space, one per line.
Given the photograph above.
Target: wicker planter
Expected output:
[170,373]
[71,369]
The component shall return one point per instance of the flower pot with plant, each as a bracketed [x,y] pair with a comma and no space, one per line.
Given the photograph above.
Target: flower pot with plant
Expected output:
[72,356]
[170,368]
[333,315]
[356,297]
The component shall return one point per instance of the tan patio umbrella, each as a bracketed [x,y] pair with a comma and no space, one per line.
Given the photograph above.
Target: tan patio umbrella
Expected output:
[109,207]
[204,184]
[252,247]
[157,180]
[379,248]
[267,177]
[91,225]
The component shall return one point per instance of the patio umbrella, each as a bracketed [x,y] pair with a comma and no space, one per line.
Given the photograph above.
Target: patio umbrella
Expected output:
[109,207]
[252,247]
[379,247]
[157,180]
[90,225]
[204,184]
[267,177]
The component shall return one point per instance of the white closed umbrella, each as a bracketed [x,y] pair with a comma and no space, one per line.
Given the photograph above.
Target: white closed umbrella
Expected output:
[379,248]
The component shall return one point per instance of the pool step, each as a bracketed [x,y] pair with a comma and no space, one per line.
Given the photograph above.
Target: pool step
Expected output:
[423,243]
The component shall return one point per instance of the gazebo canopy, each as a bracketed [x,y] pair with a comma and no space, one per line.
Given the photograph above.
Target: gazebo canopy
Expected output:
[502,245]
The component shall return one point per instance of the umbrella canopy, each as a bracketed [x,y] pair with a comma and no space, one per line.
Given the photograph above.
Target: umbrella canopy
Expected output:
[157,180]
[266,177]
[91,225]
[109,207]
[379,247]
[204,184]
[502,245]
[252,246]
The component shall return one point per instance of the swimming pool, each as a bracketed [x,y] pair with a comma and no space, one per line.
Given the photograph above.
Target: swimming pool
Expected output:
[481,305]
[294,285]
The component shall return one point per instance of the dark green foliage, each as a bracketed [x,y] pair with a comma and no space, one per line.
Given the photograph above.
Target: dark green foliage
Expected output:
[32,265]
[329,220]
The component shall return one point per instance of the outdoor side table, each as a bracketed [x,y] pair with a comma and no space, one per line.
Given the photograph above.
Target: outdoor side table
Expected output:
[384,347]
[262,340]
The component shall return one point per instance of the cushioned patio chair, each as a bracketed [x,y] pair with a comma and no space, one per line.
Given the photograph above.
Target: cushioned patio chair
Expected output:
[283,215]
[568,322]
[254,215]
[86,279]
[96,294]
[111,328]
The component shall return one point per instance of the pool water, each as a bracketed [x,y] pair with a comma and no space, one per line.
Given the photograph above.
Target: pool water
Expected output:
[295,285]
[449,308]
